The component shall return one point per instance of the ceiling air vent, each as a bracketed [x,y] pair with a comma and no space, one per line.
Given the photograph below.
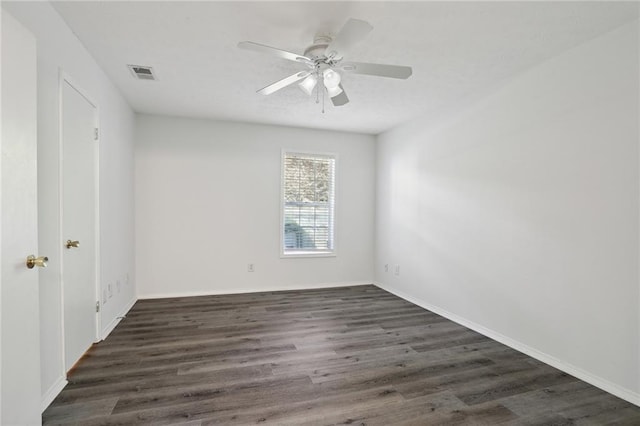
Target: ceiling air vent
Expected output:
[142,73]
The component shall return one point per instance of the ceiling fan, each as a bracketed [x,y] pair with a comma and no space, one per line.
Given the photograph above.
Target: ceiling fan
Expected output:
[324,60]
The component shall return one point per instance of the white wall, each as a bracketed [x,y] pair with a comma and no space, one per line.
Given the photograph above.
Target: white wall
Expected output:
[59,49]
[519,216]
[207,204]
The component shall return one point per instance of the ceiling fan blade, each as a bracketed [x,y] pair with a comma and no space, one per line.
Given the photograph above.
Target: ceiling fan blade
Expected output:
[283,83]
[351,34]
[249,45]
[341,98]
[380,70]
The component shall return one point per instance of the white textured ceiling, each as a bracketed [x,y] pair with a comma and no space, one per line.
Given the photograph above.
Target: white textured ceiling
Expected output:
[456,49]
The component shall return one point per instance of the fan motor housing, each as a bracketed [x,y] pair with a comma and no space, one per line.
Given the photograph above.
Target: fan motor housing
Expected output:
[319,46]
[316,50]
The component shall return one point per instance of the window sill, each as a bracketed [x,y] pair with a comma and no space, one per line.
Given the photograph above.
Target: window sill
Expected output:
[307,254]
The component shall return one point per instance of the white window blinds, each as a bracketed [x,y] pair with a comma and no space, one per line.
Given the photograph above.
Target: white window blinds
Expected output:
[308,186]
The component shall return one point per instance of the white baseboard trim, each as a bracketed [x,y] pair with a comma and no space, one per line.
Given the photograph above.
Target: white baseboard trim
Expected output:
[114,322]
[252,290]
[53,391]
[581,374]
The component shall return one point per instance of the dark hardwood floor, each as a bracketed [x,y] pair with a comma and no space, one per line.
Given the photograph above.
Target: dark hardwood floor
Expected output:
[355,355]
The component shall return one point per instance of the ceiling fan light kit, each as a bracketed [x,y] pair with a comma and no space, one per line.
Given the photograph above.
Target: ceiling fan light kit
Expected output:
[308,84]
[331,78]
[333,91]
[324,58]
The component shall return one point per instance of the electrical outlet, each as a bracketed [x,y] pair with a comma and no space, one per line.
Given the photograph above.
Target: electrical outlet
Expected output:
[110,290]
[397,272]
[386,267]
[250,268]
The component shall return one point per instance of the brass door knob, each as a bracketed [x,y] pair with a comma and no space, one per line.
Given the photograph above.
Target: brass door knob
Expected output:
[37,261]
[70,244]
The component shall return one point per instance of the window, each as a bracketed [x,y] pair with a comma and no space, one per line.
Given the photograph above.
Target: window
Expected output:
[308,186]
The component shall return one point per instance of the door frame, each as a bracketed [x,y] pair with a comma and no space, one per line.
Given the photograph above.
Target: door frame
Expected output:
[65,78]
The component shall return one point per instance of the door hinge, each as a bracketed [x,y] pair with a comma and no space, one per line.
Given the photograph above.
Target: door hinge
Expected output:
[98,306]
[95,134]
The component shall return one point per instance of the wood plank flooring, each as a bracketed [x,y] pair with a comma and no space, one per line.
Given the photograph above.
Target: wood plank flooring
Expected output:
[355,355]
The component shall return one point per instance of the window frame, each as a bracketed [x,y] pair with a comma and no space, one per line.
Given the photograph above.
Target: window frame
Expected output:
[302,254]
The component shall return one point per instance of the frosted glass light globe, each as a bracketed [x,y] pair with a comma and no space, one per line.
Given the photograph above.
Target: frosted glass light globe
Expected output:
[334,91]
[331,79]
[308,84]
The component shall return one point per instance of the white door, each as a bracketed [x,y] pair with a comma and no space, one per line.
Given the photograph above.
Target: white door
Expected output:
[19,319]
[78,189]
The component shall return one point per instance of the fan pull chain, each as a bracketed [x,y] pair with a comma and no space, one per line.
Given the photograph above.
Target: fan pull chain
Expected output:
[323,101]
